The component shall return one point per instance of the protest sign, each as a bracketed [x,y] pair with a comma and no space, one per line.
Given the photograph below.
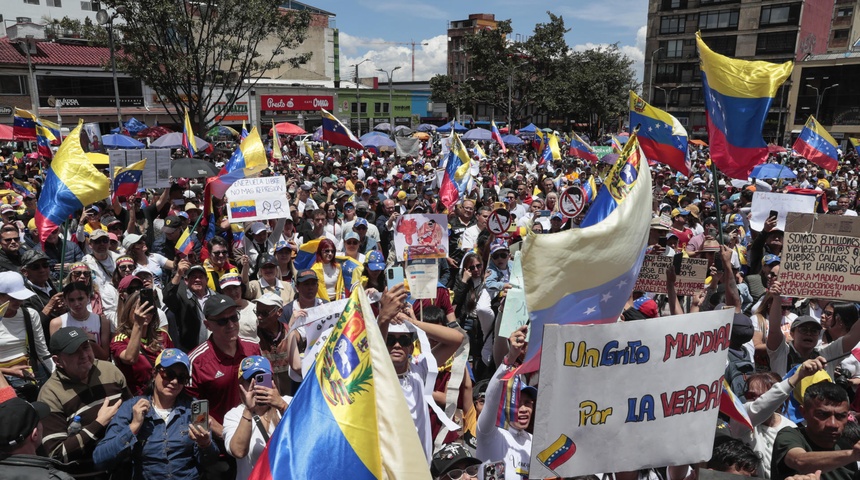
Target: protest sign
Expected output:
[619,383]
[652,275]
[156,172]
[426,235]
[783,203]
[572,201]
[422,276]
[515,314]
[499,222]
[259,198]
[319,319]
[821,257]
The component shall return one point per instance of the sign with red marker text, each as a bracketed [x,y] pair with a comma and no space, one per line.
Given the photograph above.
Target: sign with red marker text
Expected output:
[821,257]
[652,275]
[616,384]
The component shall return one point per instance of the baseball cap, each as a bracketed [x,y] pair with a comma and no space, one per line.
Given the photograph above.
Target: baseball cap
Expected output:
[680,211]
[230,279]
[191,206]
[31,257]
[172,356]
[282,244]
[803,319]
[215,305]
[130,239]
[360,222]
[770,259]
[348,206]
[252,365]
[351,236]
[257,227]
[109,220]
[375,261]
[362,205]
[498,244]
[530,390]
[97,234]
[18,418]
[266,259]
[126,282]
[171,224]
[12,284]
[305,275]
[68,340]
[195,268]
[450,455]
[271,300]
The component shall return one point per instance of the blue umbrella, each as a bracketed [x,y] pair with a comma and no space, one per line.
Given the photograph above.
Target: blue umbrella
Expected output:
[370,135]
[530,128]
[772,170]
[512,140]
[120,141]
[425,127]
[379,142]
[478,134]
[452,124]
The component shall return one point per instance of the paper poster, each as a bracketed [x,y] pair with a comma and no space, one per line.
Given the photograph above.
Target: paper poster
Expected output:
[258,198]
[426,235]
[515,314]
[617,384]
[821,257]
[422,276]
[652,275]
[783,203]
[319,319]
[156,172]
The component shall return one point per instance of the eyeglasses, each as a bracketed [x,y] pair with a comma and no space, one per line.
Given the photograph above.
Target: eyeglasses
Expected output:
[219,253]
[809,330]
[169,376]
[476,266]
[471,470]
[264,313]
[403,340]
[101,241]
[222,322]
[10,240]
[498,255]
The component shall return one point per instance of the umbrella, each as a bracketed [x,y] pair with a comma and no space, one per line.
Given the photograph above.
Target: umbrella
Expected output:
[383,127]
[546,130]
[287,128]
[402,130]
[452,124]
[6,133]
[115,140]
[174,140]
[153,132]
[609,158]
[98,159]
[379,142]
[512,140]
[478,134]
[772,170]
[530,128]
[370,135]
[421,135]
[504,130]
[192,168]
[221,130]
[425,127]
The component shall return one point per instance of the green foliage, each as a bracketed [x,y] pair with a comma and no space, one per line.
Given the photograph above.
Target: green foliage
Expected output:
[67,27]
[197,54]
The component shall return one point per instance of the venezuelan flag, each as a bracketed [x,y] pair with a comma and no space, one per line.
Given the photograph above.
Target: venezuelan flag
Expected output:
[23,187]
[610,246]
[126,179]
[557,453]
[552,145]
[247,161]
[53,134]
[307,254]
[243,209]
[540,141]
[188,140]
[730,405]
[335,132]
[616,144]
[351,270]
[276,144]
[855,142]
[817,146]
[43,141]
[457,172]
[579,148]
[662,137]
[497,136]
[185,242]
[244,132]
[509,402]
[24,125]
[738,94]
[349,417]
[589,188]
[71,183]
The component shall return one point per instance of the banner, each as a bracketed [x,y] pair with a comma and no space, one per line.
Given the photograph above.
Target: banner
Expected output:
[407,146]
[156,172]
[783,203]
[652,275]
[619,383]
[821,257]
[515,314]
[258,198]
[426,235]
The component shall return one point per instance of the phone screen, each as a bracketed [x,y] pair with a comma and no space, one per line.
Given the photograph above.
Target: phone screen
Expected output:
[200,413]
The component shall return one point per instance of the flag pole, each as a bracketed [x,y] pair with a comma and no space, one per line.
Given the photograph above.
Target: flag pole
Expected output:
[63,250]
[717,197]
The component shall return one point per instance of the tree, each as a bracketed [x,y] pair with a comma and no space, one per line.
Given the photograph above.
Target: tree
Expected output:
[600,79]
[196,55]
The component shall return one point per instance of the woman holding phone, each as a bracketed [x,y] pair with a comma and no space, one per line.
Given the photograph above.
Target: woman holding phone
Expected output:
[138,340]
[155,430]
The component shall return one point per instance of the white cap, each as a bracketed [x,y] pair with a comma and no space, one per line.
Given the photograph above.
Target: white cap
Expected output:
[271,300]
[12,284]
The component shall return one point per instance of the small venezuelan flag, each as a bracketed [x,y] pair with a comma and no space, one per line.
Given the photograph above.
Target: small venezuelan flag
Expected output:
[243,209]
[557,453]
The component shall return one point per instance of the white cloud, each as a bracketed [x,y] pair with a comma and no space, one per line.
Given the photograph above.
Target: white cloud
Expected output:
[430,59]
[400,9]
[634,52]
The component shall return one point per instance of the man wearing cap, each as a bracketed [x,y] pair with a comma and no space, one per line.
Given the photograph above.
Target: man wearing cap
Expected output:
[53,249]
[304,201]
[362,210]
[768,241]
[454,461]
[680,229]
[366,244]
[47,301]
[260,239]
[385,223]
[102,261]
[307,285]
[172,230]
[231,286]
[10,249]
[469,239]
[279,347]
[215,363]
[84,386]
[185,295]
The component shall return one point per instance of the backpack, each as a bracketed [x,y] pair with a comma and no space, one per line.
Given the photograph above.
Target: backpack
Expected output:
[737,370]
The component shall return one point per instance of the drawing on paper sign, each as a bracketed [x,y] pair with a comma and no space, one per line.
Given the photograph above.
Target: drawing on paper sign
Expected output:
[572,201]
[272,207]
[425,235]
[243,209]
[499,222]
[559,452]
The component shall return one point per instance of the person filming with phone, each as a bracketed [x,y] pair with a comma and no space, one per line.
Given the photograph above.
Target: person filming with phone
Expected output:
[156,430]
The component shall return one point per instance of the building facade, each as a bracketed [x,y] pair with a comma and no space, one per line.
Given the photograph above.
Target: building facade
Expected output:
[458,61]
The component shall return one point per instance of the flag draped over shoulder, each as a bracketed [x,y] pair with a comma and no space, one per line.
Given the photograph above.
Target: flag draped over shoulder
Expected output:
[71,183]
[738,94]
[349,417]
[126,179]
[579,148]
[247,161]
[586,275]
[335,132]
[817,146]
[662,137]
[457,172]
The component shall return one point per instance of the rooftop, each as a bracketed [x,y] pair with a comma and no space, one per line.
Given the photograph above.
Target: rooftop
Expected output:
[51,53]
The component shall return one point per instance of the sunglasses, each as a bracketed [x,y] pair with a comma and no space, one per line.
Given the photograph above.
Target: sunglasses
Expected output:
[476,266]
[169,376]
[471,470]
[328,251]
[10,240]
[126,268]
[498,255]
[82,274]
[353,242]
[403,340]
[222,322]
[101,241]
[219,253]
[264,313]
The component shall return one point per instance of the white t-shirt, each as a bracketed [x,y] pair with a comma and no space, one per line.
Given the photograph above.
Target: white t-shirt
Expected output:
[256,443]
[412,383]
[469,237]
[92,325]
[102,269]
[494,443]
[330,275]
[155,265]
[13,338]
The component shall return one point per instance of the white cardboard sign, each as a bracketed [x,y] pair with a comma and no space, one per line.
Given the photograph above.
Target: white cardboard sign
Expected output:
[764,202]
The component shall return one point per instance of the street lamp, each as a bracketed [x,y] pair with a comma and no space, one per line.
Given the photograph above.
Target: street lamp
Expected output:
[820,96]
[667,94]
[390,75]
[104,18]
[651,76]
[358,96]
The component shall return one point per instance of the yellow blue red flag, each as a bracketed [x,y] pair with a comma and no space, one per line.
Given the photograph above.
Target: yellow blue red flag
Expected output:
[188,140]
[817,146]
[247,161]
[662,137]
[126,179]
[457,172]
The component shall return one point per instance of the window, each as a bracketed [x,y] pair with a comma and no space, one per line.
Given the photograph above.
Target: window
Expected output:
[674,4]
[840,34]
[31,2]
[91,6]
[13,85]
[354,110]
[723,45]
[667,73]
[55,3]
[716,2]
[780,15]
[673,48]
[719,20]
[845,12]
[672,24]
[380,107]
[696,97]
[23,20]
[777,42]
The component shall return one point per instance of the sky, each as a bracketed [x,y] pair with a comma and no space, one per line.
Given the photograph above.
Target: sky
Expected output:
[383,30]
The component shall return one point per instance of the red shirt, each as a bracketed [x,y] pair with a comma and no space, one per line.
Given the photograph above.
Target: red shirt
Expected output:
[215,376]
[139,375]
[442,300]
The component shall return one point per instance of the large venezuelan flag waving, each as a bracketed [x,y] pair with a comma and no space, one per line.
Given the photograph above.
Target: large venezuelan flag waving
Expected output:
[585,275]
[738,94]
[817,146]
[349,418]
[247,161]
[662,137]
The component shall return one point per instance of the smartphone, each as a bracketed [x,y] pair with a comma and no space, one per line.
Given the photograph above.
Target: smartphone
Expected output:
[200,413]
[662,242]
[264,379]
[773,213]
[394,276]
[147,295]
[718,261]
[677,262]
[545,213]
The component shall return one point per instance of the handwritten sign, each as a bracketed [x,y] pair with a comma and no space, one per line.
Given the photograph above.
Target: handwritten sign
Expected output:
[499,222]
[821,257]
[156,172]
[652,275]
[618,383]
[319,319]
[783,203]
[259,198]
[425,236]
[515,314]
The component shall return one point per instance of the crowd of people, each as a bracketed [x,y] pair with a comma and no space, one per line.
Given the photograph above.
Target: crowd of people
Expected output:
[111,336]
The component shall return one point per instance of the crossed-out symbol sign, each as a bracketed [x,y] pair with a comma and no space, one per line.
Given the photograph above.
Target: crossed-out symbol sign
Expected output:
[572,201]
[499,222]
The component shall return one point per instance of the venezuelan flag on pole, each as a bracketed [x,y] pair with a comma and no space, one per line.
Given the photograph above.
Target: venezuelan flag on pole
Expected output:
[244,132]
[276,144]
[579,148]
[24,125]
[738,94]
[349,418]
[457,172]
[540,141]
[730,405]
[188,140]
[247,161]
[817,146]
[610,246]
[497,136]
[662,137]
[71,183]
[185,242]
[335,132]
[126,179]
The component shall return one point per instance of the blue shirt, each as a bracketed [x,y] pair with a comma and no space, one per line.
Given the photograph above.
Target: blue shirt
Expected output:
[160,450]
